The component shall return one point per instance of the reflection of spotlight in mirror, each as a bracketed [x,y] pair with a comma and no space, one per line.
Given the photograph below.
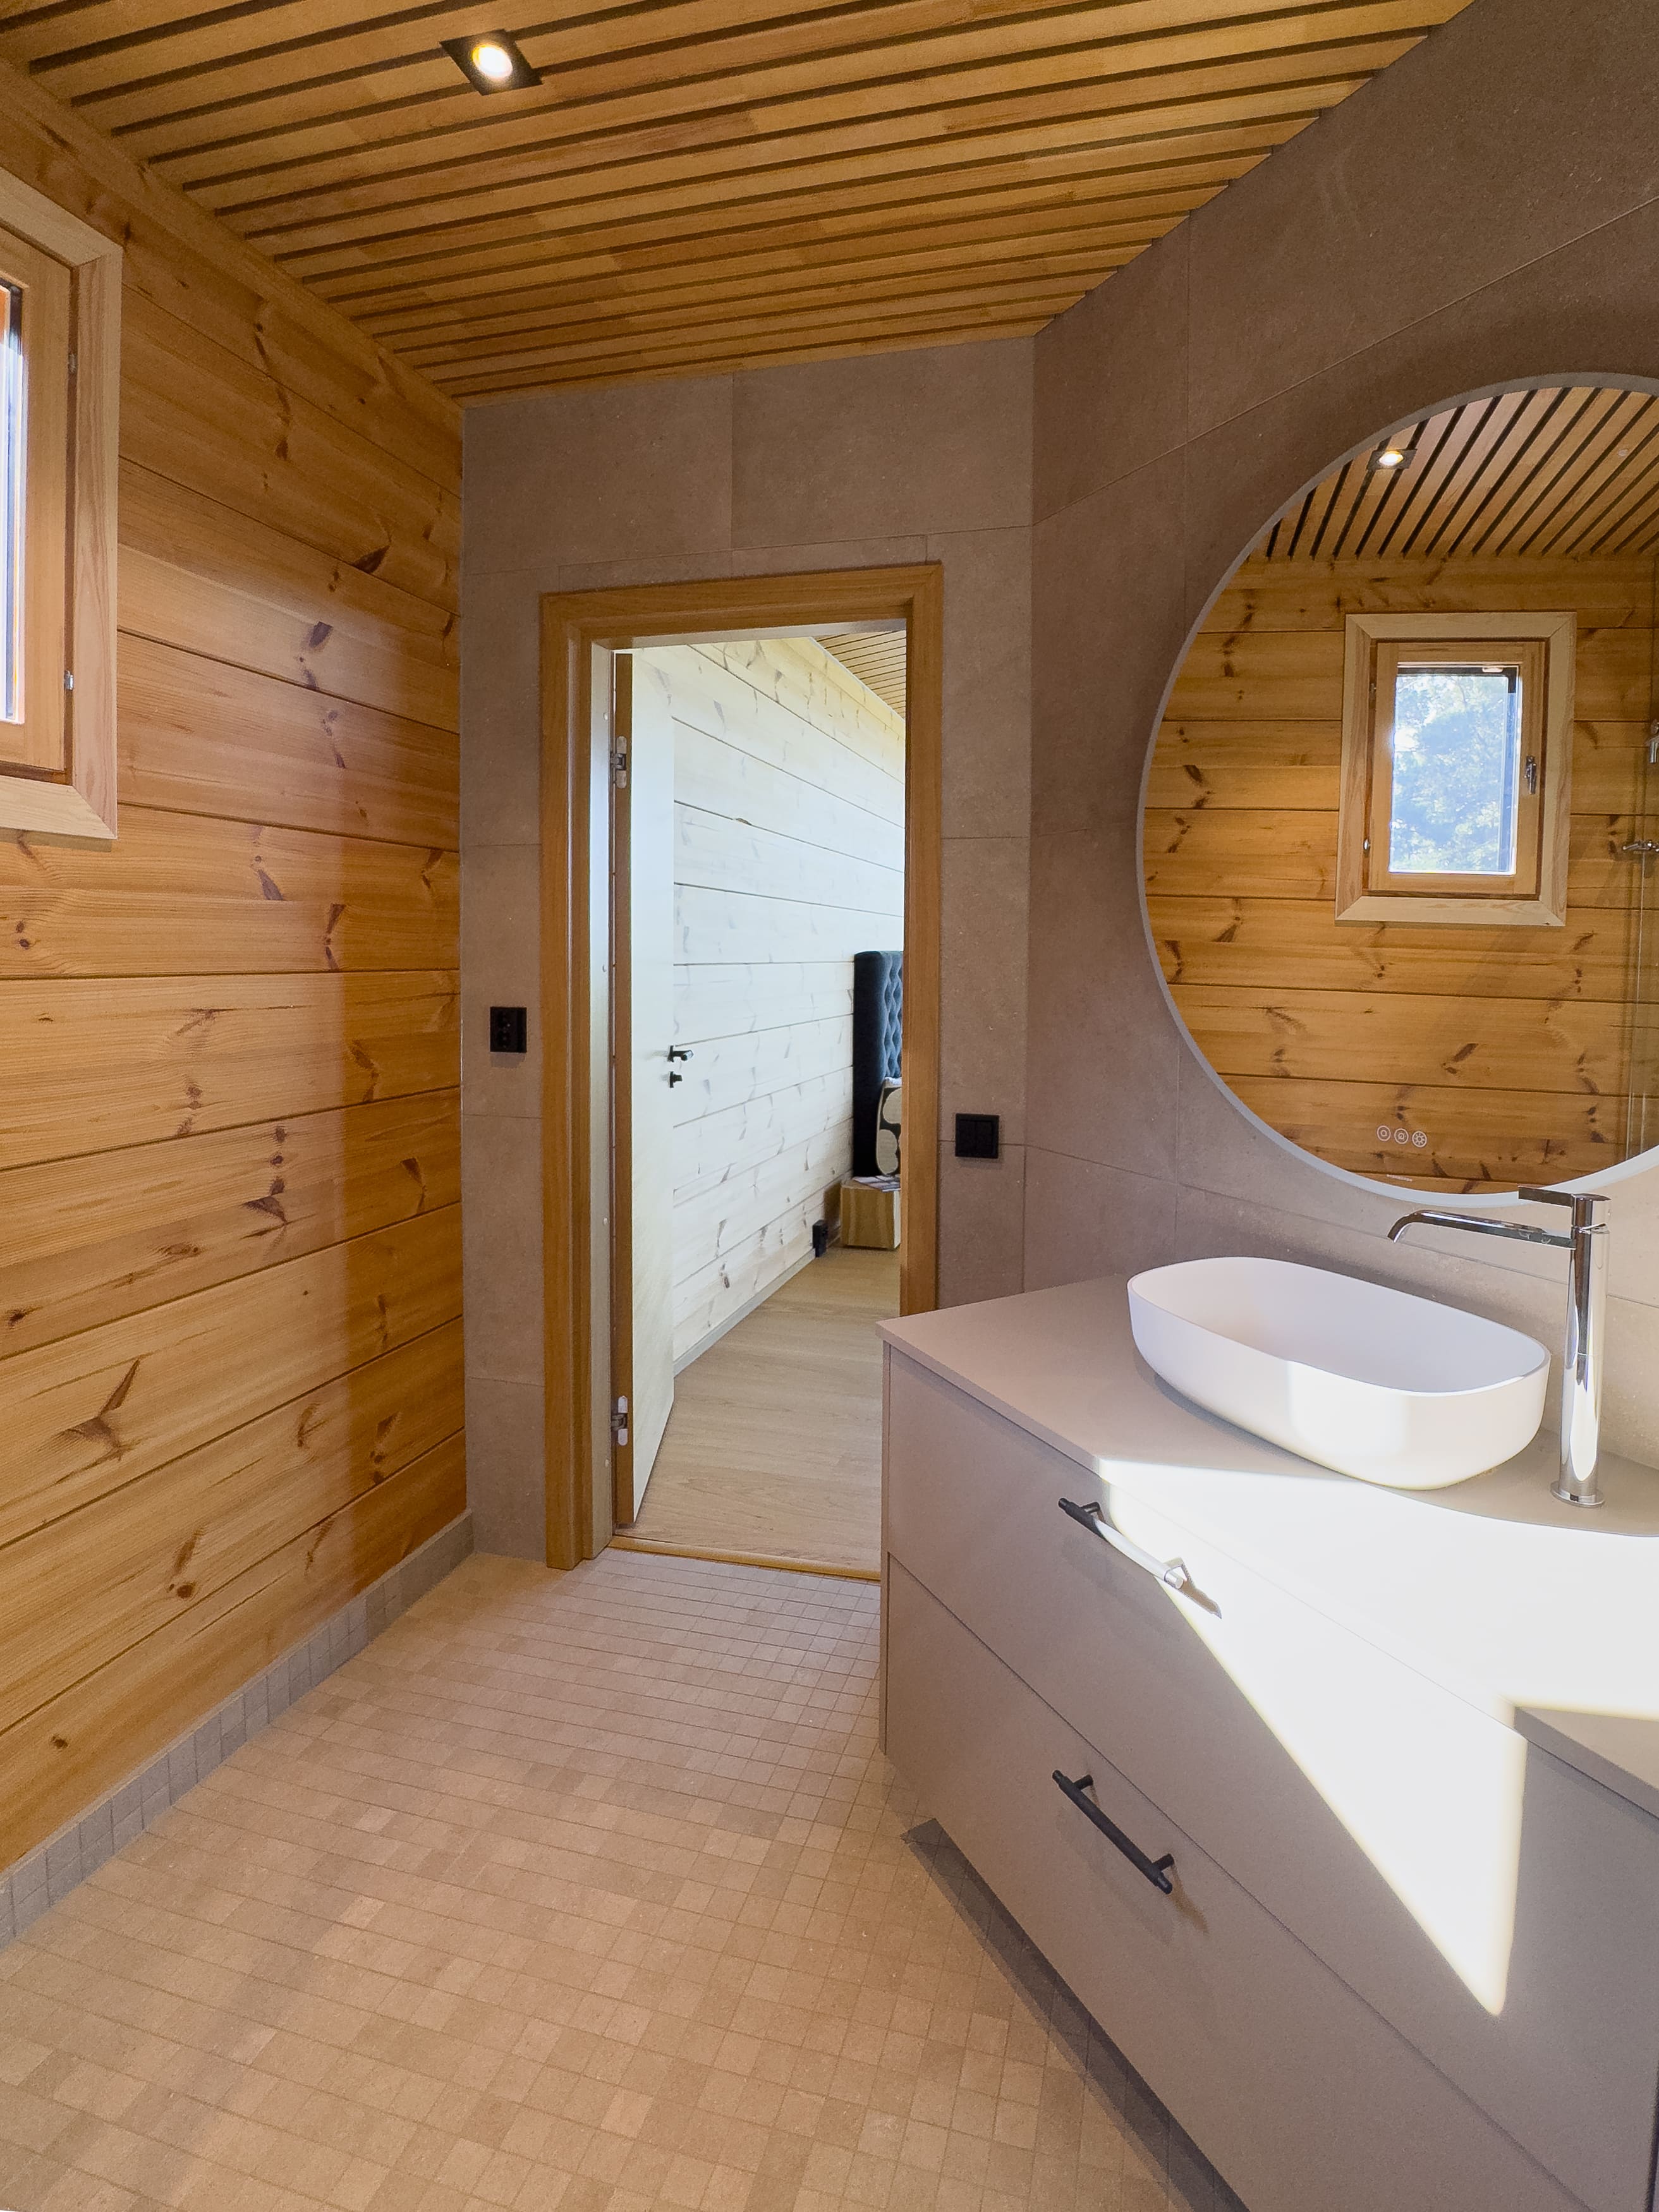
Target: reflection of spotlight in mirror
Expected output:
[1377,864]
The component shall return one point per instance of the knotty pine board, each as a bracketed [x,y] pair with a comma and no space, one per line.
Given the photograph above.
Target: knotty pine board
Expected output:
[1248,943]
[756,1131]
[94,1413]
[1495,1139]
[788,858]
[89,1586]
[89,1066]
[196,575]
[720,1220]
[230,1284]
[1508,1047]
[303,759]
[122,1714]
[92,1237]
[187,895]
[725,999]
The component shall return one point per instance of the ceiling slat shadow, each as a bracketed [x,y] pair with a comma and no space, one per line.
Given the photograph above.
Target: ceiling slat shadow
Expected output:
[704,183]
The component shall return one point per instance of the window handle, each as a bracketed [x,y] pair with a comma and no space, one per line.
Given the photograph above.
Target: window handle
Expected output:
[1532,775]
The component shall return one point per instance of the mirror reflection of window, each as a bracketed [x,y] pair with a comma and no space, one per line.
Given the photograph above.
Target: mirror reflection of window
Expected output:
[1456,770]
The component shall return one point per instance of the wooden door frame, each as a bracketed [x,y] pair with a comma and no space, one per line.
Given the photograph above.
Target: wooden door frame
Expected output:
[575,805]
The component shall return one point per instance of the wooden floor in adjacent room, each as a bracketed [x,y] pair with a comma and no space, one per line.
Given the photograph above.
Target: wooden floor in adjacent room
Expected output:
[773,1450]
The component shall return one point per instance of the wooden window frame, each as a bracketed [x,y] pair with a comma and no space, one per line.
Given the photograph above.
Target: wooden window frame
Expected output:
[57,763]
[1536,895]
[580,630]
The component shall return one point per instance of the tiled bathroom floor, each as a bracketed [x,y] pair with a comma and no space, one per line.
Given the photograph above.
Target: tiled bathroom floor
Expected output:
[588,1892]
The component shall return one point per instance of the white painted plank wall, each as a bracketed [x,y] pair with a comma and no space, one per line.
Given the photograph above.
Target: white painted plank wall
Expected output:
[789,858]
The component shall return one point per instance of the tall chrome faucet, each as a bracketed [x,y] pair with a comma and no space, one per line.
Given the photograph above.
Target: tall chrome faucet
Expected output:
[1586,1243]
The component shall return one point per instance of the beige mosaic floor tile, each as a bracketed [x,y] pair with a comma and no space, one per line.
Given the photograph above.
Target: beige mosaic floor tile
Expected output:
[581,1894]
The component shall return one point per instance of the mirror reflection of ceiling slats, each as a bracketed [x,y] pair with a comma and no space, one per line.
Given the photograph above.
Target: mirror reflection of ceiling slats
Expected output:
[1565,474]
[703,185]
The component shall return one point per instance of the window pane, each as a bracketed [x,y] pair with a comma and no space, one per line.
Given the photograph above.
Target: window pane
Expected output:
[1456,769]
[11,501]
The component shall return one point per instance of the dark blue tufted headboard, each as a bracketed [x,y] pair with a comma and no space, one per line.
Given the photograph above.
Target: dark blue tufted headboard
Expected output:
[878,1016]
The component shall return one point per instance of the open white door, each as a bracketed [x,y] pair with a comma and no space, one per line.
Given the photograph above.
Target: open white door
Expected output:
[642,1278]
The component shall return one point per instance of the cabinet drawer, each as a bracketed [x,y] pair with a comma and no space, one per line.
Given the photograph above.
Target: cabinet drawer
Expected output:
[1498,1909]
[1303,2098]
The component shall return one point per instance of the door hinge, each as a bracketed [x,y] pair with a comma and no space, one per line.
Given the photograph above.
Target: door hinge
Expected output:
[619,764]
[619,1423]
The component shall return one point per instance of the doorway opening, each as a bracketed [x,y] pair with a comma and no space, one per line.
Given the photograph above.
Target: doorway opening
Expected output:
[757,923]
[740,952]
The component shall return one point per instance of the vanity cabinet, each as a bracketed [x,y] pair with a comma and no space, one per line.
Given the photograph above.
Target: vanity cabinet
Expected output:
[1407,1957]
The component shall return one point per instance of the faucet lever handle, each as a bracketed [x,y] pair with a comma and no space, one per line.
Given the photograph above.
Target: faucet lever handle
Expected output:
[1546,1197]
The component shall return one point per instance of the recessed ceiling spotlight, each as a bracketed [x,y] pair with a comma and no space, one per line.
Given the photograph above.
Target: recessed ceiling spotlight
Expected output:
[1391,457]
[491,62]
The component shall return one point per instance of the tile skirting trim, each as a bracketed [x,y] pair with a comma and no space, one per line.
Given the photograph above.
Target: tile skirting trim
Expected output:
[52,1868]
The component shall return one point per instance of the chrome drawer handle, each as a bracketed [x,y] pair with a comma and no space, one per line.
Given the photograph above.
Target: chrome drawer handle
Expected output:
[1172,1572]
[1157,1871]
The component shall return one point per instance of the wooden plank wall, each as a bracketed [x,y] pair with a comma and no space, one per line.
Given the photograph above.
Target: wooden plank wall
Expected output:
[789,858]
[1509,1049]
[230,1353]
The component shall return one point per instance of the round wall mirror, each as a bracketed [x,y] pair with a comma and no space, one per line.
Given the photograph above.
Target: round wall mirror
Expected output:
[1399,832]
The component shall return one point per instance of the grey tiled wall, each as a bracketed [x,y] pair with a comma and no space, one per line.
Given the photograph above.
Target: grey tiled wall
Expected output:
[53,1867]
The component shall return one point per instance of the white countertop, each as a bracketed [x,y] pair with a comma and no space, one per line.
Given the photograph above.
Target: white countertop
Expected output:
[1544,1614]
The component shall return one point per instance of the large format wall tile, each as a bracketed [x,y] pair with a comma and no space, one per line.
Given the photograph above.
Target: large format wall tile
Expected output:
[1105,1052]
[1111,380]
[611,473]
[1510,131]
[938,440]
[1107,626]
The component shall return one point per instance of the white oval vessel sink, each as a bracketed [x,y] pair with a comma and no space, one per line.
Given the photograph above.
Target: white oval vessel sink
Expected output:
[1367,1380]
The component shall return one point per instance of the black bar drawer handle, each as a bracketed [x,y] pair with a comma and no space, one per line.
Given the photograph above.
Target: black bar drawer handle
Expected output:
[1157,1871]
[1090,1516]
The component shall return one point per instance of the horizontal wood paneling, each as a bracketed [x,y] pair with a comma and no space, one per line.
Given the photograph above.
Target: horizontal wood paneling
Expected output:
[198,574]
[185,895]
[88,1239]
[1507,1049]
[89,1586]
[96,1412]
[788,858]
[193,412]
[1253,943]
[1498,1139]
[122,1714]
[301,759]
[86,1066]
[230,1275]
[1535,1045]
[685,167]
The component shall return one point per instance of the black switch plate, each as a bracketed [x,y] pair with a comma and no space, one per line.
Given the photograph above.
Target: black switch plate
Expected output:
[509,1030]
[978,1136]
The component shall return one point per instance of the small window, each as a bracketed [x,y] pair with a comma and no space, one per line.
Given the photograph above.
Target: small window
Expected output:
[34,474]
[59,375]
[1455,769]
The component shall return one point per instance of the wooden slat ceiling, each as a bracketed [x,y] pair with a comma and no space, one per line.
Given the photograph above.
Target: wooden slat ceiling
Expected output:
[1567,474]
[877,657]
[701,185]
